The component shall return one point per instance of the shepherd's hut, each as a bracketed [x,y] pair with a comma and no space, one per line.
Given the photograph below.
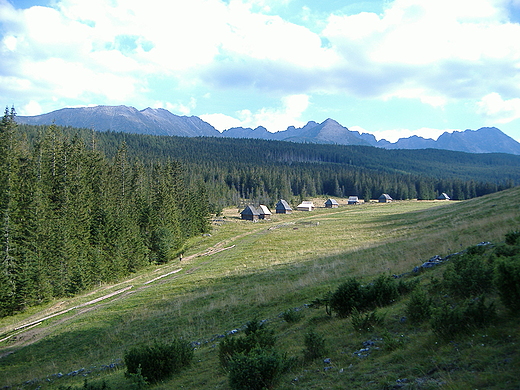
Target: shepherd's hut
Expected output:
[282,207]
[331,204]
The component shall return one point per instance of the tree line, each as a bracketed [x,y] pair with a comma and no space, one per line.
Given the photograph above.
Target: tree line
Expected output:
[237,171]
[73,218]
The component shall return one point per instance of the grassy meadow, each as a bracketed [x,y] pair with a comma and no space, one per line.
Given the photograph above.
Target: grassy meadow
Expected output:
[246,270]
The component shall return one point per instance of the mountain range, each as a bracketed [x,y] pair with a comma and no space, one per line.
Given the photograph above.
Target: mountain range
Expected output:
[162,122]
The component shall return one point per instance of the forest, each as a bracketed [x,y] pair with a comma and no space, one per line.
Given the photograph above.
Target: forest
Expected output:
[72,218]
[239,171]
[80,208]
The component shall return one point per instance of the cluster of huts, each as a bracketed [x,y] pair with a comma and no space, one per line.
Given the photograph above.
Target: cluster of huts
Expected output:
[255,213]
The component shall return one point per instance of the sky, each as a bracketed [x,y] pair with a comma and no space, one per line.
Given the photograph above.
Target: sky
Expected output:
[393,68]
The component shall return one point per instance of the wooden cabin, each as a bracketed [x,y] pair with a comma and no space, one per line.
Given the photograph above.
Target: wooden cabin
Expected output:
[443,196]
[264,212]
[353,200]
[250,213]
[306,205]
[385,198]
[331,204]
[282,207]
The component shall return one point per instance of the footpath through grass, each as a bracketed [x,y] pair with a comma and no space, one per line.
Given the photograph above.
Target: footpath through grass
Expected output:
[248,270]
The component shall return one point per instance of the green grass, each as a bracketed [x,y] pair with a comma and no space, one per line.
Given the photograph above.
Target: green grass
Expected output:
[274,266]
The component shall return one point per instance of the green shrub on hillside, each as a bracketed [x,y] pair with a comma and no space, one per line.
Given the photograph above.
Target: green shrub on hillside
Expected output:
[469,275]
[352,295]
[450,320]
[507,281]
[258,370]
[256,336]
[348,295]
[382,292]
[418,308]
[159,361]
[365,322]
[314,346]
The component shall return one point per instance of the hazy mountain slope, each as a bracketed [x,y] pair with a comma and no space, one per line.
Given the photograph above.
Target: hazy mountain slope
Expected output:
[125,119]
[162,122]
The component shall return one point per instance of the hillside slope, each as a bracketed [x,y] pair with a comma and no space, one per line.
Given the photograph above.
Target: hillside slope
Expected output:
[246,270]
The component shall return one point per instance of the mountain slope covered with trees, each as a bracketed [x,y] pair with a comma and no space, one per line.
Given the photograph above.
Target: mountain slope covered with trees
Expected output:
[73,218]
[266,170]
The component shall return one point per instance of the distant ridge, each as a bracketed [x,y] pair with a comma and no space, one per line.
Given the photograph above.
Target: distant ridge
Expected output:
[162,122]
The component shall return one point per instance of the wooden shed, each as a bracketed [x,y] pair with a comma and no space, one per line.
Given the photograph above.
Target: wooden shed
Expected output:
[264,212]
[443,196]
[385,198]
[306,205]
[331,204]
[353,200]
[250,213]
[282,207]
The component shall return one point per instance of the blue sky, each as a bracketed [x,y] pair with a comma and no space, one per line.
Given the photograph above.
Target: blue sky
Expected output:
[390,68]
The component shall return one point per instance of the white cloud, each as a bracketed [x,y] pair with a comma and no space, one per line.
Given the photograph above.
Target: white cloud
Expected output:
[497,110]
[221,122]
[179,108]
[31,108]
[273,119]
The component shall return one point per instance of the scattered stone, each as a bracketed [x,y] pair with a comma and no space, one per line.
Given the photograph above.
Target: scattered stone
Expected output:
[327,361]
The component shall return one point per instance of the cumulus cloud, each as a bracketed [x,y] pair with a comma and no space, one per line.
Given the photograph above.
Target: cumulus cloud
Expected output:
[497,110]
[273,119]
[111,52]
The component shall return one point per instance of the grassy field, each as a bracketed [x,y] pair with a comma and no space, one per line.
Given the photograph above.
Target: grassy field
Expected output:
[246,270]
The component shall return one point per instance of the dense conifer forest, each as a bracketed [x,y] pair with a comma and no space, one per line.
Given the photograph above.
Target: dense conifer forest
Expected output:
[263,171]
[73,218]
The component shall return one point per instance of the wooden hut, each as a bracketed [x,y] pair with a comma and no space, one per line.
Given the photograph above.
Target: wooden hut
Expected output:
[250,213]
[264,212]
[353,200]
[306,205]
[443,196]
[385,198]
[331,204]
[282,207]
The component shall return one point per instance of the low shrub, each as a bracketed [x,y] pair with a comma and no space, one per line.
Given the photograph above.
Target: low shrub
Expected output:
[256,336]
[469,275]
[292,315]
[352,295]
[314,346]
[257,370]
[159,361]
[382,292]
[448,321]
[507,281]
[418,308]
[348,295]
[365,322]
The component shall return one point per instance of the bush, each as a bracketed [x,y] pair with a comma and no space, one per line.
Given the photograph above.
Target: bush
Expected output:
[256,336]
[468,275]
[159,361]
[383,291]
[292,315]
[507,281]
[352,295]
[513,238]
[418,308]
[348,296]
[448,321]
[259,369]
[314,346]
[365,322]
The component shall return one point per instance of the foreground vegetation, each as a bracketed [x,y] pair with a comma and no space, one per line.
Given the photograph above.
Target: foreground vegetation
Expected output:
[280,274]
